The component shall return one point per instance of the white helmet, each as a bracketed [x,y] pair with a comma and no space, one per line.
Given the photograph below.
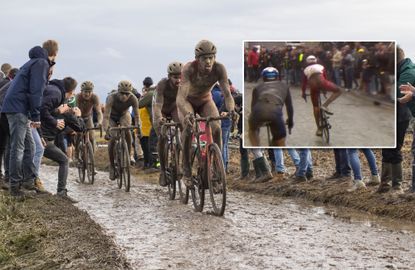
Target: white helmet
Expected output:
[311,59]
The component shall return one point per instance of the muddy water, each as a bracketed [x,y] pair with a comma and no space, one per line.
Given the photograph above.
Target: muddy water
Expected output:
[258,232]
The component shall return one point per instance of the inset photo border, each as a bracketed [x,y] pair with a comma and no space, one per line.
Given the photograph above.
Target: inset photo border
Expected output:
[319,94]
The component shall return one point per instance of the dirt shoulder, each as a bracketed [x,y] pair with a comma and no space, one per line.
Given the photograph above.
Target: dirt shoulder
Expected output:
[45,232]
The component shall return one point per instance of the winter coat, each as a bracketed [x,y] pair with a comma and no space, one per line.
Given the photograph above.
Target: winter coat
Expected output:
[219,100]
[26,90]
[53,97]
[406,73]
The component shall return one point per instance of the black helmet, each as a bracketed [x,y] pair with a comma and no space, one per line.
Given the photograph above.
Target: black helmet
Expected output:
[148,81]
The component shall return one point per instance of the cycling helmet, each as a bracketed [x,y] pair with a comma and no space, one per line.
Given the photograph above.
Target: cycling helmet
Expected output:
[311,59]
[174,68]
[270,73]
[148,81]
[125,87]
[204,47]
[87,86]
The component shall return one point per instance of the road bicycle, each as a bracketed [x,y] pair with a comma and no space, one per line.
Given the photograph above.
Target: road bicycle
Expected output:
[208,171]
[323,123]
[122,157]
[172,150]
[85,156]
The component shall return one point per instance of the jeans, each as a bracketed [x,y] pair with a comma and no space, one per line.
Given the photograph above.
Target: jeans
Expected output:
[22,148]
[370,157]
[306,162]
[279,159]
[54,153]
[342,162]
[225,139]
[336,76]
[39,149]
[354,161]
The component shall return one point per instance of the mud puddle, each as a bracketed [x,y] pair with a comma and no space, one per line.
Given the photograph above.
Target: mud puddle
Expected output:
[257,232]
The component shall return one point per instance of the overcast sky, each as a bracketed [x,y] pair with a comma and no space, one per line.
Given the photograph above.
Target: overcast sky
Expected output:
[107,41]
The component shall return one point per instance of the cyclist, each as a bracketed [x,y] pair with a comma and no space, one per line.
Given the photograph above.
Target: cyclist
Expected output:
[164,105]
[315,78]
[86,102]
[268,98]
[116,113]
[194,96]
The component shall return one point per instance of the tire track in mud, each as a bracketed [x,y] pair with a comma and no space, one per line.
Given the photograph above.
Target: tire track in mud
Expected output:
[257,232]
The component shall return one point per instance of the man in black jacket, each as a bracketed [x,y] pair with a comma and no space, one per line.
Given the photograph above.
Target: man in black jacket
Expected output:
[55,115]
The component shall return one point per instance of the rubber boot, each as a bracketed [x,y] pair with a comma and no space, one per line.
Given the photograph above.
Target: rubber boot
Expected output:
[266,173]
[257,168]
[397,178]
[385,177]
[244,169]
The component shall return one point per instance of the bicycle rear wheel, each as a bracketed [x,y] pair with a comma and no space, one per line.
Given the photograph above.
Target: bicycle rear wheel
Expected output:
[324,127]
[81,162]
[217,179]
[117,163]
[183,190]
[125,166]
[198,189]
[170,172]
[90,164]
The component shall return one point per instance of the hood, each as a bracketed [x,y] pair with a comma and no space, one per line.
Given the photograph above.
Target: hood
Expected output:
[405,64]
[38,52]
[59,84]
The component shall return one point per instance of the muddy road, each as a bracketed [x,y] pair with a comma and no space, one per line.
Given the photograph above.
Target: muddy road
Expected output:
[356,122]
[257,232]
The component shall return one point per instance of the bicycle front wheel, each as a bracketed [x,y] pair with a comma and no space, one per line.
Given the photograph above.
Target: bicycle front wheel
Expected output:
[217,179]
[197,190]
[81,162]
[125,166]
[90,164]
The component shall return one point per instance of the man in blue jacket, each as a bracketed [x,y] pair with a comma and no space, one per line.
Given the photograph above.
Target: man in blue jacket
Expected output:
[22,108]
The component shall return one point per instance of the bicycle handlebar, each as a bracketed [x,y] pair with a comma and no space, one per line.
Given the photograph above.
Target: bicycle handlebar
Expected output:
[124,128]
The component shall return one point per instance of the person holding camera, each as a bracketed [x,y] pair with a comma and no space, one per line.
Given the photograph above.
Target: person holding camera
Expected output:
[55,115]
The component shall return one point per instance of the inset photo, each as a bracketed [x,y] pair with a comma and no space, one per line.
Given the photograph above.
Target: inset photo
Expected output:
[321,94]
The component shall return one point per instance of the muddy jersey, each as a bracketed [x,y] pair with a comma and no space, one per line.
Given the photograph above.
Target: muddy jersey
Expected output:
[86,106]
[274,92]
[313,69]
[119,108]
[165,98]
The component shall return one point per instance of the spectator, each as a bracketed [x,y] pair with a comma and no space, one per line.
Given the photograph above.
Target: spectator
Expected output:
[22,105]
[55,115]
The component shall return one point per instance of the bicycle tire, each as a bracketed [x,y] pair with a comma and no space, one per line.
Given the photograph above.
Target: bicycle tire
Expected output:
[325,127]
[81,163]
[217,179]
[90,163]
[198,189]
[125,166]
[117,164]
[170,173]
